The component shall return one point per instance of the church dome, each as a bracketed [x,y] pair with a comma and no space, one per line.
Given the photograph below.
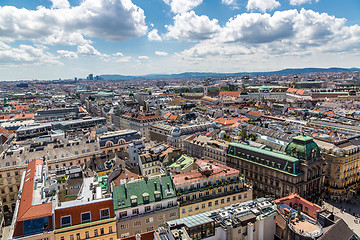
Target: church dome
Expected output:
[303,147]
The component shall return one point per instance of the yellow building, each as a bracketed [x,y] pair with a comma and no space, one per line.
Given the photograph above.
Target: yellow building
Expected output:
[104,229]
[90,216]
[211,186]
[343,167]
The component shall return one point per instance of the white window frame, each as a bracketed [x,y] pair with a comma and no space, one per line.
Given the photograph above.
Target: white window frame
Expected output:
[101,217]
[65,224]
[82,219]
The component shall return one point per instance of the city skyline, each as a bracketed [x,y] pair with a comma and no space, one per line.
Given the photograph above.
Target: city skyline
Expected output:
[66,39]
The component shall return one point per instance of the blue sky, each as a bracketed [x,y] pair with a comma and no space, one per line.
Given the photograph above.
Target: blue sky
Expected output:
[51,39]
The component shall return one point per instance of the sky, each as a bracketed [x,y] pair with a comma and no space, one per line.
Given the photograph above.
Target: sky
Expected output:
[52,39]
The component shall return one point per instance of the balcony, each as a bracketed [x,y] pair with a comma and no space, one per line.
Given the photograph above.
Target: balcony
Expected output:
[210,187]
[149,213]
[212,196]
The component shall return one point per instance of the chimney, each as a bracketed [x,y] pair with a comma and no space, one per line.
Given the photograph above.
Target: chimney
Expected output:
[243,132]
[138,236]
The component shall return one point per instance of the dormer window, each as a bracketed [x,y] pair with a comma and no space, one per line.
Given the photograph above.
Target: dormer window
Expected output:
[133,199]
[157,195]
[145,197]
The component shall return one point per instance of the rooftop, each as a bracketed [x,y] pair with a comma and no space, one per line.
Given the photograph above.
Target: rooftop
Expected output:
[206,170]
[141,189]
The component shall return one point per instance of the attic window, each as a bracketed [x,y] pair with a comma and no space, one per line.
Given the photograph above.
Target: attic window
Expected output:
[145,197]
[133,199]
[157,195]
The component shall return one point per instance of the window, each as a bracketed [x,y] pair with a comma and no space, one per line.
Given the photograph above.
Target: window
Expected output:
[71,237]
[203,205]
[86,234]
[239,197]
[149,220]
[123,214]
[104,213]
[183,210]
[95,233]
[135,211]
[234,198]
[101,231]
[110,229]
[210,204]
[85,217]
[137,223]
[196,207]
[147,208]
[190,209]
[222,201]
[172,214]
[216,202]
[245,195]
[65,221]
[78,236]
[62,238]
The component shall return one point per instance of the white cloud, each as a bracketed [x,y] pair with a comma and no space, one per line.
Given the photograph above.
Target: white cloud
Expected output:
[181,6]
[88,50]
[114,20]
[4,46]
[64,38]
[285,33]
[300,2]
[262,5]
[154,36]
[143,57]
[118,54]
[160,53]
[191,27]
[26,54]
[60,4]
[67,54]
[123,59]
[228,2]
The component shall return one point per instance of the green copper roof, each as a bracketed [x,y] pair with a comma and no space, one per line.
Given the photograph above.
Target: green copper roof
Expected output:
[141,190]
[303,138]
[265,152]
[6,103]
[263,157]
[303,147]
[183,161]
[103,181]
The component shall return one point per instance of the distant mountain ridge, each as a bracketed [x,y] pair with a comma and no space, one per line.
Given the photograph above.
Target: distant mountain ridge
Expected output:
[287,71]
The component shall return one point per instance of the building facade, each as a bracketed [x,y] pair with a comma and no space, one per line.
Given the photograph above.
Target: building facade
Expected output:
[210,186]
[90,216]
[343,167]
[144,205]
[300,170]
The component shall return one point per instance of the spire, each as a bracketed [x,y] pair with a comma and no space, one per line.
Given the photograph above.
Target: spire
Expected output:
[6,103]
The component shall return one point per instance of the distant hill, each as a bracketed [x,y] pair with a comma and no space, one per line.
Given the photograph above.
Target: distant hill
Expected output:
[288,71]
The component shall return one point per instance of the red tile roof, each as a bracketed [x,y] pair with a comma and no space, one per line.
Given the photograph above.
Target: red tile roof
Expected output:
[230,93]
[254,113]
[6,133]
[18,116]
[168,115]
[218,170]
[230,120]
[26,209]
[296,91]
